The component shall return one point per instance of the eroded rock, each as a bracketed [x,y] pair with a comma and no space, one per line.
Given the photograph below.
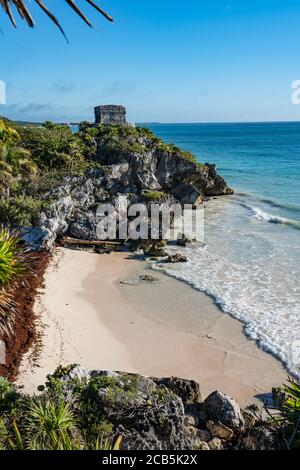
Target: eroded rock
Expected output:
[221,408]
[177,258]
[219,430]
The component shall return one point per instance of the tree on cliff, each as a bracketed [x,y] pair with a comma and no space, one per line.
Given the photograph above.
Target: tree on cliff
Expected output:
[25,14]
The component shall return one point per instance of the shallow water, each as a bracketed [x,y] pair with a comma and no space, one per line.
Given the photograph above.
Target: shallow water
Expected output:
[251,262]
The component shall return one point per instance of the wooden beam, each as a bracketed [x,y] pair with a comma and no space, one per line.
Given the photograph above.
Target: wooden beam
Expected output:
[76,241]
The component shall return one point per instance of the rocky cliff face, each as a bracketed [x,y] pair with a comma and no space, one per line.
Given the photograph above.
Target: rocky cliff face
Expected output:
[161,413]
[132,162]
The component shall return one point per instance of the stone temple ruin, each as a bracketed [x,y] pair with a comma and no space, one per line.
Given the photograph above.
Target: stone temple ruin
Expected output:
[110,114]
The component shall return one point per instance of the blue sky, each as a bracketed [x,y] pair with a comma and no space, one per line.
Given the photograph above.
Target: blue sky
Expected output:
[165,60]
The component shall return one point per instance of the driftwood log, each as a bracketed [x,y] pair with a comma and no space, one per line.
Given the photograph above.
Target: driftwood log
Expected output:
[102,243]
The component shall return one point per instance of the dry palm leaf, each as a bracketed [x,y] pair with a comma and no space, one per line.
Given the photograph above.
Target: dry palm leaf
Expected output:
[7,312]
[25,14]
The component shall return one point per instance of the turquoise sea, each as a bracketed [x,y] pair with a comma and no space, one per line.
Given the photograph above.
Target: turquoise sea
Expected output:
[251,262]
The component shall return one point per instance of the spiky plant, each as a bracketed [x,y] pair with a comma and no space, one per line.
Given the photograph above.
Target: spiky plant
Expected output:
[49,426]
[12,264]
[24,12]
[12,259]
[285,413]
[7,312]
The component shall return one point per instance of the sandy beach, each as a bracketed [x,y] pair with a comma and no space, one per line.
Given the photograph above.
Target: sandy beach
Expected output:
[96,311]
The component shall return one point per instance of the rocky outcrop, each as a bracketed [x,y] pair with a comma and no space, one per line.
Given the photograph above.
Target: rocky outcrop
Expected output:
[134,164]
[160,413]
[220,407]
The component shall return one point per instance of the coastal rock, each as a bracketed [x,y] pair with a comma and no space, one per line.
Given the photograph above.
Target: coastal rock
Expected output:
[216,444]
[183,241]
[250,418]
[201,445]
[219,430]
[153,413]
[156,252]
[147,414]
[221,408]
[187,390]
[191,420]
[204,435]
[148,278]
[259,438]
[133,165]
[177,258]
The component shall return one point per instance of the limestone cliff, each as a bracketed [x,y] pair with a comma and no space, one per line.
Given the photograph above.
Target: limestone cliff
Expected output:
[131,162]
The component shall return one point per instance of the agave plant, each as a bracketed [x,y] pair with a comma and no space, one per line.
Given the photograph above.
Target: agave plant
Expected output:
[24,12]
[12,264]
[7,312]
[12,259]
[285,413]
[49,426]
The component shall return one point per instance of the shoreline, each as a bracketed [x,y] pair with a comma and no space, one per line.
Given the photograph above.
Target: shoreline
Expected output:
[86,316]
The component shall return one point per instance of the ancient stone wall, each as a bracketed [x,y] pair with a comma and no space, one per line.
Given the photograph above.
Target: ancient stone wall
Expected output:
[110,114]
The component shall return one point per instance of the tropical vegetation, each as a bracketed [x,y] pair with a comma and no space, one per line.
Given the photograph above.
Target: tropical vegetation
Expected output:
[51,421]
[36,159]
[12,265]
[86,412]
[285,415]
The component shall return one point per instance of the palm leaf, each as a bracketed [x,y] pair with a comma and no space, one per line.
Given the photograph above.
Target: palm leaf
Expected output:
[5,177]
[7,312]
[25,14]
[4,166]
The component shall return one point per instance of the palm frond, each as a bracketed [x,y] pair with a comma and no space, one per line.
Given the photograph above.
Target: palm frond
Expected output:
[12,258]
[25,14]
[7,312]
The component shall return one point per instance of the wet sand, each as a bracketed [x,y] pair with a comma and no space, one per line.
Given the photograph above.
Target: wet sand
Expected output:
[96,311]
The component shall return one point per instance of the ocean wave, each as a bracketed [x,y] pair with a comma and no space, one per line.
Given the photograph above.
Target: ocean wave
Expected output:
[270,316]
[272,202]
[262,216]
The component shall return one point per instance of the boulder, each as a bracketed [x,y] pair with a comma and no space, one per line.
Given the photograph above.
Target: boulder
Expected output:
[156,252]
[219,430]
[191,420]
[250,418]
[201,445]
[204,435]
[177,258]
[182,240]
[223,409]
[148,278]
[259,438]
[216,444]
[187,390]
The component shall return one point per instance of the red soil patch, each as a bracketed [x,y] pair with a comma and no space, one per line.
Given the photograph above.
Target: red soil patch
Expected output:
[24,334]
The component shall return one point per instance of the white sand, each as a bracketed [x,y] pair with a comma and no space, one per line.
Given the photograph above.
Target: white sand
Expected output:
[163,328]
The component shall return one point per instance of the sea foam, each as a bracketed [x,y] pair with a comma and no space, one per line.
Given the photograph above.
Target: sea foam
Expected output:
[252,273]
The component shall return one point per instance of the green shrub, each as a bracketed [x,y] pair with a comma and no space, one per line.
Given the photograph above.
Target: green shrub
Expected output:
[285,414]
[12,265]
[49,422]
[22,210]
[12,262]
[153,195]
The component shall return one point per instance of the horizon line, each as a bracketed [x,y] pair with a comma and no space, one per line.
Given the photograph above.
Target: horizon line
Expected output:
[71,122]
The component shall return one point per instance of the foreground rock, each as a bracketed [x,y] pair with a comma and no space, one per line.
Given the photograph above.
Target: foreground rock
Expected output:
[220,407]
[177,258]
[158,413]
